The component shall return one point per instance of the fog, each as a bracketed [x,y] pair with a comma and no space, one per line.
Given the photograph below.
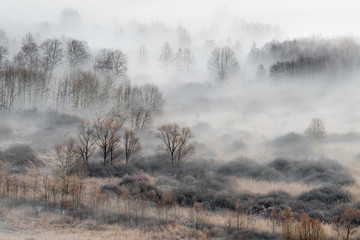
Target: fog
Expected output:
[242,116]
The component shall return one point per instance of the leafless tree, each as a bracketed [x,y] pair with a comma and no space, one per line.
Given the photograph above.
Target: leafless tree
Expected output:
[22,86]
[70,17]
[120,62]
[166,55]
[111,61]
[148,101]
[138,103]
[52,53]
[3,56]
[316,131]
[178,59]
[108,139]
[139,116]
[151,97]
[80,89]
[132,145]
[188,58]
[103,61]
[142,54]
[183,36]
[176,142]
[29,53]
[346,224]
[67,158]
[7,94]
[4,40]
[261,71]
[77,52]
[223,63]
[184,59]
[69,165]
[86,141]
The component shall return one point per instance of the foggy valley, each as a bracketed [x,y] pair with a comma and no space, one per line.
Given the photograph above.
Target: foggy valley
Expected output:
[179,119]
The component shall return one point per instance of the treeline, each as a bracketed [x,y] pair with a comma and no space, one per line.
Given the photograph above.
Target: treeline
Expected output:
[306,57]
[30,79]
[27,82]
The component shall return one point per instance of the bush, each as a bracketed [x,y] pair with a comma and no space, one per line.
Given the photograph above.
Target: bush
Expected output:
[254,235]
[328,195]
[320,171]
[20,158]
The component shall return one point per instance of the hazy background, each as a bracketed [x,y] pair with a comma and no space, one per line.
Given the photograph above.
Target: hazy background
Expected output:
[241,117]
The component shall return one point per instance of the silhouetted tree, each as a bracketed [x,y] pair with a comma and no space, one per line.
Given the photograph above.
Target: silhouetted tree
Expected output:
[132,145]
[223,63]
[176,142]
[184,59]
[316,131]
[70,17]
[3,57]
[107,133]
[77,52]
[69,165]
[142,54]
[139,104]
[86,141]
[347,223]
[166,55]
[261,71]
[51,53]
[80,89]
[4,40]
[29,53]
[111,61]
[183,36]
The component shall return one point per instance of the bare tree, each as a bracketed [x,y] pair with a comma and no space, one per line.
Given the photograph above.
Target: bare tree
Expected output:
[132,145]
[77,52]
[111,61]
[183,36]
[68,165]
[52,53]
[139,104]
[316,131]
[103,61]
[188,58]
[3,56]
[223,63]
[29,53]
[108,139]
[176,142]
[184,59]
[79,89]
[70,17]
[86,141]
[178,59]
[166,55]
[142,54]
[7,94]
[261,71]
[346,224]
[120,62]
[4,40]
[67,157]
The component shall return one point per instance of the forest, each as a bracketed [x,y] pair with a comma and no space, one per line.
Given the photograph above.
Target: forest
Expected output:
[155,129]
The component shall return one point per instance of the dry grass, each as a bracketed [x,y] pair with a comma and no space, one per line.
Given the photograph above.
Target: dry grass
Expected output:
[354,189]
[245,185]
[26,222]
[134,219]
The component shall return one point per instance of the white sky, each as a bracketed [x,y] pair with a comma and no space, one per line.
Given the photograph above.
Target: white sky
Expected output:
[296,18]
